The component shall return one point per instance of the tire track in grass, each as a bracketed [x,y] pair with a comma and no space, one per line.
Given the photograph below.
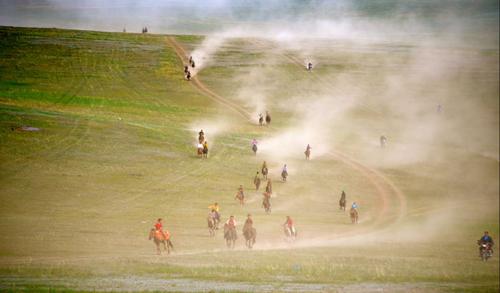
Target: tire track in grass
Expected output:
[181,53]
[385,189]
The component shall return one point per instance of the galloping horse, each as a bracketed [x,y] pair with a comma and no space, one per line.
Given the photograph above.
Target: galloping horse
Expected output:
[212,225]
[264,172]
[308,154]
[284,174]
[254,149]
[266,203]
[230,235]
[268,118]
[250,235]
[354,215]
[161,238]
[289,234]
[342,203]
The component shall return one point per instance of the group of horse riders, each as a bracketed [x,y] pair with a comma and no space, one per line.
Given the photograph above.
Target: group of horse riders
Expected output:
[202,146]
[187,72]
[261,119]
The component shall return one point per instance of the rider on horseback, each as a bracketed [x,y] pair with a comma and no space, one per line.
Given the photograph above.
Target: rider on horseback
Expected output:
[240,195]
[231,222]
[159,228]
[269,187]
[289,225]
[248,222]
[256,181]
[485,239]
[354,205]
[215,208]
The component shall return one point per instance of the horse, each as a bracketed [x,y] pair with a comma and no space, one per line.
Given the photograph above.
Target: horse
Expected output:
[199,150]
[230,235]
[201,138]
[205,152]
[342,203]
[250,234]
[261,120]
[266,203]
[256,181]
[268,119]
[290,233]
[212,225]
[284,174]
[161,238]
[308,154]
[241,197]
[354,215]
[264,172]
[254,149]
[269,187]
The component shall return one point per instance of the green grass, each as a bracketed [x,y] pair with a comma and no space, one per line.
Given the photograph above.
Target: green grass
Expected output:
[115,151]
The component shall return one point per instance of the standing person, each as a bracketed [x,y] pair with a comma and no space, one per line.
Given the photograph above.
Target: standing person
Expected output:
[256,181]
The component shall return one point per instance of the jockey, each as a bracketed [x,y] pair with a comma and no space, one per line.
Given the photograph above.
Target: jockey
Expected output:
[285,169]
[486,239]
[159,227]
[231,223]
[269,187]
[342,195]
[215,209]
[254,142]
[289,224]
[308,148]
[205,147]
[354,205]
[249,221]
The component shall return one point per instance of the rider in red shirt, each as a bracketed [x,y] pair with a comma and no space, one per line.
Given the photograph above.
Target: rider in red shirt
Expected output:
[159,227]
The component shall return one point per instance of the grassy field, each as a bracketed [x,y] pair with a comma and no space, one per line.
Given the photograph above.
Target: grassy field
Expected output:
[115,151]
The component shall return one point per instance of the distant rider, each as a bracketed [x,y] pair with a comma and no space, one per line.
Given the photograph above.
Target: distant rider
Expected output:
[256,181]
[159,227]
[290,226]
[485,239]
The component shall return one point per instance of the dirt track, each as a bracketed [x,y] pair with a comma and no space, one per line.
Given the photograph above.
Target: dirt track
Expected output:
[385,189]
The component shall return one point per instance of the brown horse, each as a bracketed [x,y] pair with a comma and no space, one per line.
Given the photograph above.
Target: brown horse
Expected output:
[308,154]
[342,203]
[354,215]
[250,235]
[212,225]
[266,203]
[256,181]
[230,235]
[161,238]
[284,174]
[264,172]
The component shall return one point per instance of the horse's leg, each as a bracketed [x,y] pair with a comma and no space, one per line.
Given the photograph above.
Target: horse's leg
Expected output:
[158,251]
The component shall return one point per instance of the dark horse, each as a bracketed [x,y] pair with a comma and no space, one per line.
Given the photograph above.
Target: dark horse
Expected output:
[230,235]
[254,149]
[354,215]
[264,172]
[342,201]
[161,238]
[212,225]
[250,235]
[284,174]
[268,118]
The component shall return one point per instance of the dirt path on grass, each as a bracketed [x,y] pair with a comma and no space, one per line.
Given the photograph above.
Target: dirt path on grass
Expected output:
[386,191]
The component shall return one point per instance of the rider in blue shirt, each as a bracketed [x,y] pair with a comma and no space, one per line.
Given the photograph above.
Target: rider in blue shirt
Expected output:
[354,205]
